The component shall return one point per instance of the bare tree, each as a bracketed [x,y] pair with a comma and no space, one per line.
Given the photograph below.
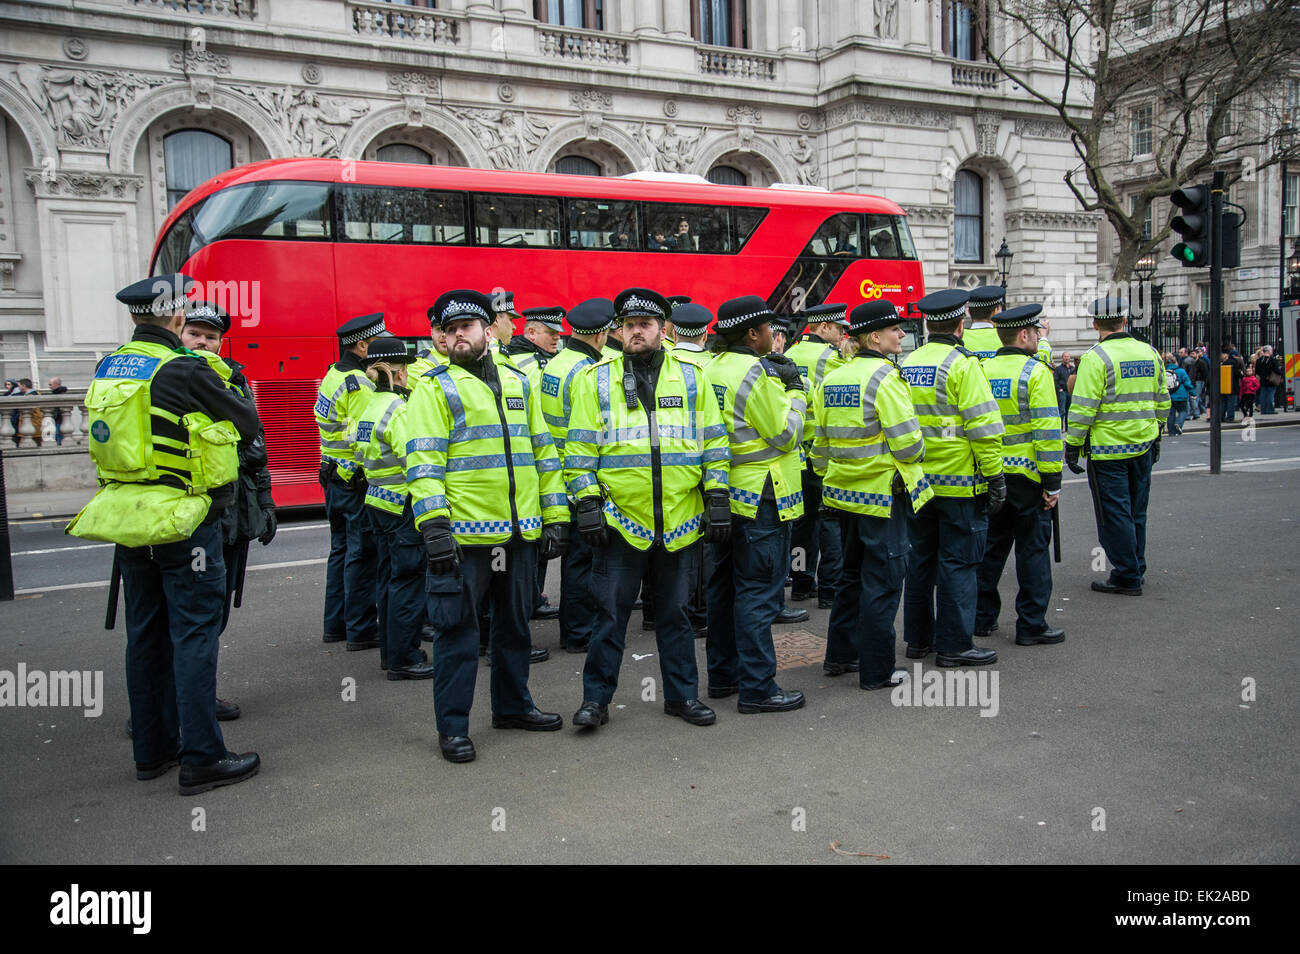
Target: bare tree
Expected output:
[1212,72]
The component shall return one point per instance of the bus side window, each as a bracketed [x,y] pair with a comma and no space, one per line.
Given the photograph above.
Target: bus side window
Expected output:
[838,236]
[399,215]
[265,210]
[880,236]
[602,223]
[517,220]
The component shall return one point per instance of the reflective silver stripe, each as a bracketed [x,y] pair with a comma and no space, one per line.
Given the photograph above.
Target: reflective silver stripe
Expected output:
[388,480]
[336,445]
[763,453]
[903,429]
[910,451]
[859,451]
[983,431]
[1085,401]
[935,410]
[388,415]
[1023,387]
[978,410]
[941,378]
[742,398]
[1127,415]
[946,433]
[1077,431]
[1134,396]
[385,460]
[1009,439]
[332,426]
[821,365]
[1110,371]
[848,433]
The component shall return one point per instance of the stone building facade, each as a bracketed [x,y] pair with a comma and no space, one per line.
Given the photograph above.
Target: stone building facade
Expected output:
[887,96]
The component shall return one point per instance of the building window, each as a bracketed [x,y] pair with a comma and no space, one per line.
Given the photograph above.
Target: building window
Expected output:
[192,157]
[727,175]
[1288,203]
[968,226]
[1140,130]
[1143,16]
[403,152]
[577,166]
[1292,114]
[1146,221]
[964,28]
[1224,127]
[720,22]
[589,14]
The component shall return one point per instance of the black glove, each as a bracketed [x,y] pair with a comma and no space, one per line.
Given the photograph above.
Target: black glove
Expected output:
[269,535]
[997,492]
[1072,458]
[440,547]
[717,516]
[326,471]
[786,370]
[555,540]
[591,522]
[1155,451]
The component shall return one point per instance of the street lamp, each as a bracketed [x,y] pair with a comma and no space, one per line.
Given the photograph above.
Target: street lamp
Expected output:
[1144,269]
[1293,269]
[1003,255]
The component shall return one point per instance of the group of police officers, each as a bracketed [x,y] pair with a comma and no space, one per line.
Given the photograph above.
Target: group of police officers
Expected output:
[649,466]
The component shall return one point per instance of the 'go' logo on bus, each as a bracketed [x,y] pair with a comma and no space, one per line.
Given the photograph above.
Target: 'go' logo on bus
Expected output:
[870,289]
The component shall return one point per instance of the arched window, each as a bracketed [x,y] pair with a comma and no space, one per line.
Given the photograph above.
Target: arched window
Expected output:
[403,152]
[192,157]
[577,166]
[968,226]
[727,175]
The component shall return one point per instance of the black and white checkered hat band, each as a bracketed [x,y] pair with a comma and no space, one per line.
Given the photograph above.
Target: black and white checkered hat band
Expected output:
[459,309]
[1022,323]
[639,306]
[741,319]
[503,305]
[164,304]
[949,315]
[985,305]
[370,331]
[552,319]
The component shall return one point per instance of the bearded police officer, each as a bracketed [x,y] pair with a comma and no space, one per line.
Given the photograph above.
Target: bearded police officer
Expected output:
[815,543]
[590,322]
[350,574]
[763,407]
[963,465]
[981,338]
[869,447]
[1116,410]
[381,450]
[644,438]
[164,429]
[487,492]
[1031,459]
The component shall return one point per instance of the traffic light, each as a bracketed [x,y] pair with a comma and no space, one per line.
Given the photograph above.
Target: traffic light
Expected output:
[1193,225]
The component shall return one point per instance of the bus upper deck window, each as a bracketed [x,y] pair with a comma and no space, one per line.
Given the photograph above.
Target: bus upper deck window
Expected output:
[881,241]
[603,223]
[837,236]
[402,216]
[512,221]
[906,247]
[292,210]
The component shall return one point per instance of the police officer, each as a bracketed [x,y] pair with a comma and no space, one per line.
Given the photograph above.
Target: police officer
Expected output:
[251,515]
[426,358]
[981,338]
[1031,459]
[963,465]
[763,407]
[643,439]
[670,327]
[1044,346]
[487,492]
[868,447]
[1116,410]
[164,486]
[350,574]
[502,329]
[590,323]
[815,542]
[381,449]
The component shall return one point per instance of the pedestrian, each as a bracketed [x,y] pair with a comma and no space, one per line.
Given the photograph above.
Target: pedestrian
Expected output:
[647,458]
[1269,370]
[868,448]
[815,544]
[1061,375]
[251,513]
[763,406]
[1032,455]
[56,387]
[1200,382]
[1250,387]
[1229,384]
[963,465]
[350,599]
[1120,399]
[981,338]
[1179,395]
[487,493]
[590,322]
[164,430]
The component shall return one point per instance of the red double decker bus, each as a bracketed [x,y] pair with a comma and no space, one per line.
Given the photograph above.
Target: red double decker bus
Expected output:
[294,247]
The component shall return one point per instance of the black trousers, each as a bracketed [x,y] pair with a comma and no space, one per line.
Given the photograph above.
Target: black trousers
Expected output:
[1024,523]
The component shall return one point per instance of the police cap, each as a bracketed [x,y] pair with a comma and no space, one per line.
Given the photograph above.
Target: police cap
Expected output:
[641,303]
[206,313]
[461,303]
[836,313]
[737,315]
[946,305]
[387,348]
[873,316]
[160,295]
[986,299]
[676,300]
[1108,308]
[359,329]
[592,316]
[503,303]
[1023,316]
[552,317]
[692,320]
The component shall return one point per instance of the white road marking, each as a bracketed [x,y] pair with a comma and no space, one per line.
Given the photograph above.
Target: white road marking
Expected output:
[95,583]
[97,546]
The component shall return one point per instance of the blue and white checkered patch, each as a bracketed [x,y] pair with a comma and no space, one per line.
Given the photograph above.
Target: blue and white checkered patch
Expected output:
[1024,462]
[745,496]
[857,497]
[1120,448]
[688,527]
[951,480]
[921,376]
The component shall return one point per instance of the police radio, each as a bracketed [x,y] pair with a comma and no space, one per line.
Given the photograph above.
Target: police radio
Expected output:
[629,390]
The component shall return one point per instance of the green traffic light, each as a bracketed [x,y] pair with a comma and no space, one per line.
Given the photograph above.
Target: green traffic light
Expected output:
[1188,254]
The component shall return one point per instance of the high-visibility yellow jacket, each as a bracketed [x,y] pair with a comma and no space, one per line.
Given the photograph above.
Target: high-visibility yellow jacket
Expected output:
[700,359]
[556,389]
[1045,351]
[344,392]
[981,341]
[1026,395]
[611,350]
[1119,398]
[649,463]
[381,450]
[866,432]
[958,417]
[814,358]
[486,461]
[425,361]
[765,426]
